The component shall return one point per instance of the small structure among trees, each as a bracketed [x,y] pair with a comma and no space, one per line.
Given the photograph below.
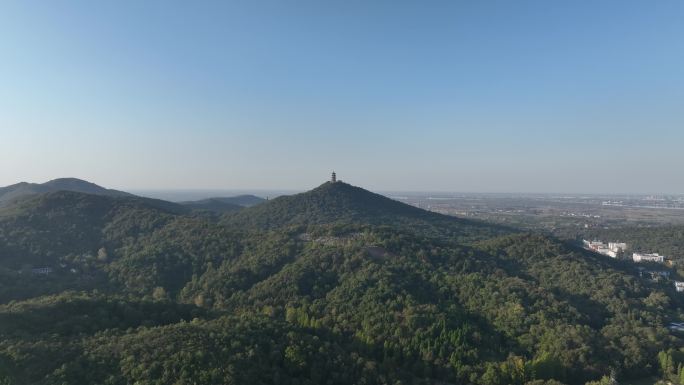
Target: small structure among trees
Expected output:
[41,270]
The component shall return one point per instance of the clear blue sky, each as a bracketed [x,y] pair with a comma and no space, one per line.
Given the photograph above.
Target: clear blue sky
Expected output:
[500,96]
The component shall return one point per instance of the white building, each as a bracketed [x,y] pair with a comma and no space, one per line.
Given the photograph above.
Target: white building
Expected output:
[676,326]
[594,245]
[607,251]
[679,286]
[611,249]
[654,257]
[617,246]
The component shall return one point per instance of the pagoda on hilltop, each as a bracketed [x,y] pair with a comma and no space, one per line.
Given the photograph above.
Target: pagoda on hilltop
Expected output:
[333,179]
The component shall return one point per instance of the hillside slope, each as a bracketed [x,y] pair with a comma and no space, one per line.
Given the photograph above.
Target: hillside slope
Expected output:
[35,228]
[334,286]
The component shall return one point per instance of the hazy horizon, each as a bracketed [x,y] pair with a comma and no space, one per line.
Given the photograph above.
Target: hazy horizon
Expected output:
[194,193]
[490,96]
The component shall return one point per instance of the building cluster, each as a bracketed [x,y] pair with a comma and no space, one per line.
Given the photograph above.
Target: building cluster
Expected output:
[612,249]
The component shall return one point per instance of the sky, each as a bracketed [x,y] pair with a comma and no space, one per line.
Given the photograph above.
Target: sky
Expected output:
[463,96]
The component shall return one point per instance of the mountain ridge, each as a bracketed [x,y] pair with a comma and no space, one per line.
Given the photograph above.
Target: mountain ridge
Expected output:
[335,285]
[21,189]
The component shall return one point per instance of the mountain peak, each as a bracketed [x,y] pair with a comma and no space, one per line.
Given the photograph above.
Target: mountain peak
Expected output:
[71,183]
[335,186]
[327,203]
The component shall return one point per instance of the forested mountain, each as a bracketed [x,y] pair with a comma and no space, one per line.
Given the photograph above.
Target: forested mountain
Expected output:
[340,203]
[334,286]
[330,202]
[22,189]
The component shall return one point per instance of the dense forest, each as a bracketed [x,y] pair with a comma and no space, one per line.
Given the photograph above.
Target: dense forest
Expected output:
[334,286]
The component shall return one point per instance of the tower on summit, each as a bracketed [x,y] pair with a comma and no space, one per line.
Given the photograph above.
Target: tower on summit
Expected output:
[333,179]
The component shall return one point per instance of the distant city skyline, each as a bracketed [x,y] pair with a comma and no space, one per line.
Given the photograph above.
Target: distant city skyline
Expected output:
[481,96]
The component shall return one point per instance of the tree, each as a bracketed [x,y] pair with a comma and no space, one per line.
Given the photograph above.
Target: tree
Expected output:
[160,294]
[102,255]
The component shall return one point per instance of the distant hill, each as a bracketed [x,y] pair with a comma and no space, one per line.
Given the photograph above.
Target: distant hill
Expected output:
[19,190]
[242,200]
[224,204]
[330,202]
[83,205]
[212,204]
[340,202]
